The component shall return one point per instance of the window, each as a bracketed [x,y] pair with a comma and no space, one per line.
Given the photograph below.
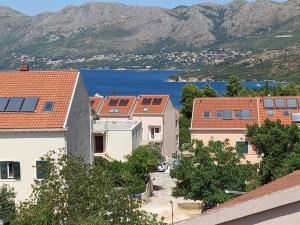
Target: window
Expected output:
[146,109]
[41,168]
[242,147]
[238,114]
[219,114]
[10,170]
[154,130]
[227,114]
[206,114]
[114,110]
[246,114]
[270,113]
[48,107]
[296,117]
[286,113]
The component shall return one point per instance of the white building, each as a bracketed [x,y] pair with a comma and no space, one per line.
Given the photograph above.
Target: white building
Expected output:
[116,139]
[40,111]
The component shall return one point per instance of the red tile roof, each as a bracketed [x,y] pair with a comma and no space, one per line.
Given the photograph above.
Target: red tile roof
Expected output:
[278,112]
[96,103]
[56,86]
[151,108]
[214,105]
[286,182]
[121,111]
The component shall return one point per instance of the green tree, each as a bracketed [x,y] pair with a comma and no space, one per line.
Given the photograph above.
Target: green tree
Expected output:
[208,91]
[210,171]
[184,132]
[188,94]
[278,146]
[7,204]
[234,86]
[74,192]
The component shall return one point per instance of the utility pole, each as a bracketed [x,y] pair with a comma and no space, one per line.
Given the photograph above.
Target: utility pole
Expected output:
[171,202]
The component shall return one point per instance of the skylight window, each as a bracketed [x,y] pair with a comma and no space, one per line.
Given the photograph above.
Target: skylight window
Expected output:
[227,114]
[286,113]
[246,114]
[206,114]
[123,102]
[296,117]
[114,110]
[48,107]
[270,113]
[157,101]
[219,114]
[146,109]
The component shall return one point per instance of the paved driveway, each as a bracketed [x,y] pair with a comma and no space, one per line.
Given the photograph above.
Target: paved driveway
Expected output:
[160,201]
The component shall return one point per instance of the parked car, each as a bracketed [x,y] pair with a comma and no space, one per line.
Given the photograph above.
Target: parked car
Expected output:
[162,167]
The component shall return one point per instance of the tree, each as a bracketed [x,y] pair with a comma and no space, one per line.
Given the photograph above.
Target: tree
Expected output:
[74,192]
[188,94]
[212,170]
[234,86]
[208,91]
[184,132]
[279,147]
[7,204]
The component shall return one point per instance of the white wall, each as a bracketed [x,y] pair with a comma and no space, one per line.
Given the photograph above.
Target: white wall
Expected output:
[27,148]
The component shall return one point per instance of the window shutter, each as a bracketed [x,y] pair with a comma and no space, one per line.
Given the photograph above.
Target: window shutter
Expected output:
[3,170]
[17,172]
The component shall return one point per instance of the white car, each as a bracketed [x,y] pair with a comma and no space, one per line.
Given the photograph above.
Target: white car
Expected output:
[162,167]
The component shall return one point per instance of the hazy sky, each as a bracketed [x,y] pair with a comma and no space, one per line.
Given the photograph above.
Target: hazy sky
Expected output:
[33,7]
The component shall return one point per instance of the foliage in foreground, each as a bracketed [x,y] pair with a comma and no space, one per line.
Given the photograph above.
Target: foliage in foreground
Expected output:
[210,171]
[7,203]
[279,147]
[74,192]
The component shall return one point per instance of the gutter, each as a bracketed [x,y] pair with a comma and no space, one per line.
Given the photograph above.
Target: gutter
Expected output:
[211,129]
[33,130]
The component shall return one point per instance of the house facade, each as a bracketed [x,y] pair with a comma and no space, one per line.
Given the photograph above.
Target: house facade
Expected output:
[155,113]
[227,118]
[40,111]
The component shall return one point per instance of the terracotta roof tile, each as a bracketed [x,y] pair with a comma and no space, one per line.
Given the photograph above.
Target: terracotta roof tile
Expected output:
[213,105]
[120,111]
[280,184]
[56,86]
[151,108]
[96,103]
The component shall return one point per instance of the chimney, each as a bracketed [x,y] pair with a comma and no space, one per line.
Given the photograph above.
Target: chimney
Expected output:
[24,67]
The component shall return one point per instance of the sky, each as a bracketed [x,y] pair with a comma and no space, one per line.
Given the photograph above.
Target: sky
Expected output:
[34,7]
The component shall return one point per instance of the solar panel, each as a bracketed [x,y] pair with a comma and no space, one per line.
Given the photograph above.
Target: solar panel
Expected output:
[14,104]
[279,103]
[3,104]
[113,102]
[29,104]
[291,103]
[146,101]
[227,114]
[246,114]
[268,103]
[296,117]
[123,102]
[157,101]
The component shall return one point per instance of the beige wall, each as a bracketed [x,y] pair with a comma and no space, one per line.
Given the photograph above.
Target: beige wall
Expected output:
[27,148]
[221,135]
[170,131]
[284,215]
[149,121]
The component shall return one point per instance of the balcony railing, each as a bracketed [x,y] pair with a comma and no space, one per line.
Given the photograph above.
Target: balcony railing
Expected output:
[156,137]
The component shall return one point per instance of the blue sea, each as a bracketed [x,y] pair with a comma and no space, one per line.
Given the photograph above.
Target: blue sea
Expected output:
[133,82]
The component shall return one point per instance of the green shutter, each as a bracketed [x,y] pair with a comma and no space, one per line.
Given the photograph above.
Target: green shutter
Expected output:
[17,172]
[3,170]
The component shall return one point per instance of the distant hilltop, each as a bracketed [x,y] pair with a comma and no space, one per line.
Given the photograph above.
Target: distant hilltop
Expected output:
[91,29]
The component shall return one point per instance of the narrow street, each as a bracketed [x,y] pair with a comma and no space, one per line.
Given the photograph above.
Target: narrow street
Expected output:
[160,201]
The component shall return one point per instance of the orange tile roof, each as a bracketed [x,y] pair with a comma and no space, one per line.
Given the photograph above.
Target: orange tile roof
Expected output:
[151,108]
[213,105]
[105,110]
[96,103]
[286,182]
[278,112]
[56,86]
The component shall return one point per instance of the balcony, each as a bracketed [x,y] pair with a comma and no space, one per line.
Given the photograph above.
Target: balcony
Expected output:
[156,137]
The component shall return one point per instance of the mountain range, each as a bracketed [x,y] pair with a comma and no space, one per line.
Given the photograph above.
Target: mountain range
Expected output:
[92,29]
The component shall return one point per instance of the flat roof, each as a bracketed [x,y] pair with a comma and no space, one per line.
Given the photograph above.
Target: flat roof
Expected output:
[104,125]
